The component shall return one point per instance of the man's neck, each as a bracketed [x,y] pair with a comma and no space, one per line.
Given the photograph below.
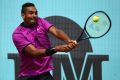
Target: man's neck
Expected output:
[26,25]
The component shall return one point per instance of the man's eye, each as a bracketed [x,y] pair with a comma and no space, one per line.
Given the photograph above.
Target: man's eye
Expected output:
[31,13]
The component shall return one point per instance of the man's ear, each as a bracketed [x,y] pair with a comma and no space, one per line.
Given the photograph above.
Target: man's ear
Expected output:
[23,15]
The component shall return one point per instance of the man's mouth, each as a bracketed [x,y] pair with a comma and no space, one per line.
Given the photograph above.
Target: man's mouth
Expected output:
[33,20]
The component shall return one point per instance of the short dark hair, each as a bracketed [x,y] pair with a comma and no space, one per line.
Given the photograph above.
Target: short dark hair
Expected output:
[28,4]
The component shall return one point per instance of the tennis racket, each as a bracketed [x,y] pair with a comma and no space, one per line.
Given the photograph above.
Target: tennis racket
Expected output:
[97,25]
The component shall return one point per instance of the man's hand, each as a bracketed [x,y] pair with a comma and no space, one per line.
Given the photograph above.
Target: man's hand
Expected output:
[72,43]
[66,47]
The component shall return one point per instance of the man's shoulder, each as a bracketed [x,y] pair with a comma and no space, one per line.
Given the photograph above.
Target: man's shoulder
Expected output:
[19,29]
[40,20]
[16,30]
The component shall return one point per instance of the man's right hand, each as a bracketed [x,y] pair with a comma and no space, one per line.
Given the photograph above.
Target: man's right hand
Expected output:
[65,47]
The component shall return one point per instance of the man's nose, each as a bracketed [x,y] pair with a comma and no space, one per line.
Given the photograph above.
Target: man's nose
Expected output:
[34,15]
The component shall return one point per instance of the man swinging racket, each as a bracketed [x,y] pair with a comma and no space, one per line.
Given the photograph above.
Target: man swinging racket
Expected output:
[33,45]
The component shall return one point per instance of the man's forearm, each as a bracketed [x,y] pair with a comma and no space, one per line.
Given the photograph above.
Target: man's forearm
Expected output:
[62,36]
[59,34]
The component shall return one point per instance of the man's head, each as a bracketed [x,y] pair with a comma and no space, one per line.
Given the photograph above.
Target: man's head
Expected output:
[29,14]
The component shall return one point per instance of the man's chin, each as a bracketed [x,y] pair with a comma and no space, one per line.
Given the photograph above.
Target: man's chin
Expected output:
[33,23]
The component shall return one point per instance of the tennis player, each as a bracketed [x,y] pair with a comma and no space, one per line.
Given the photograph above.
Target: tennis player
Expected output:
[34,47]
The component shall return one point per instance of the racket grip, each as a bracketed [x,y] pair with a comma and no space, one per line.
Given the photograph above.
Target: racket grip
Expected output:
[80,39]
[76,42]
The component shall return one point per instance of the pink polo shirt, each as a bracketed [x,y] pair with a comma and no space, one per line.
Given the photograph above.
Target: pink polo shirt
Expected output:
[37,36]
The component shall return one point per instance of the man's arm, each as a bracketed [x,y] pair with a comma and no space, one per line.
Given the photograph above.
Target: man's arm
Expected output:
[31,50]
[62,36]
[59,34]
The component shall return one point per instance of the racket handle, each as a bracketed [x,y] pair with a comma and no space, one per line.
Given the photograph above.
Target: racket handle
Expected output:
[76,42]
[80,39]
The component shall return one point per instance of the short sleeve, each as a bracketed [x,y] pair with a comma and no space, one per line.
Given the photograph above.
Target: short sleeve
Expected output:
[46,24]
[20,42]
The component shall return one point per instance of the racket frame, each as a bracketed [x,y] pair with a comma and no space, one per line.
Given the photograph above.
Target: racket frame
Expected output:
[85,31]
